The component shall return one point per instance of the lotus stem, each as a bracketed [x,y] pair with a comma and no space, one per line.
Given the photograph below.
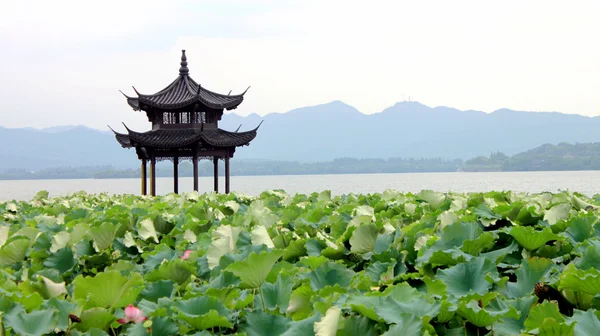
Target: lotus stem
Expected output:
[262,298]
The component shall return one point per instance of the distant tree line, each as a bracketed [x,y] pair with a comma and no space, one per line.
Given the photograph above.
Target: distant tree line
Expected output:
[563,156]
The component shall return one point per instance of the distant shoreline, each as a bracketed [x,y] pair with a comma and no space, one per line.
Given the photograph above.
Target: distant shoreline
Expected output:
[299,174]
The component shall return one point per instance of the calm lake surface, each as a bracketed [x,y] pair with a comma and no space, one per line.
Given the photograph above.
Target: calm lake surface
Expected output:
[586,182]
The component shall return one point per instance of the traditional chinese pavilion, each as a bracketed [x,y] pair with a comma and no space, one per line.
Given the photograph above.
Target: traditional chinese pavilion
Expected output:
[185,126]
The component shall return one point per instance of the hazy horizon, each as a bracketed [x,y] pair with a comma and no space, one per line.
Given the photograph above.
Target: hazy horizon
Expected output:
[64,62]
[118,125]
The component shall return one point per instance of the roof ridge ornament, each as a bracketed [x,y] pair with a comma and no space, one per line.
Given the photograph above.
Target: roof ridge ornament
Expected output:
[183,70]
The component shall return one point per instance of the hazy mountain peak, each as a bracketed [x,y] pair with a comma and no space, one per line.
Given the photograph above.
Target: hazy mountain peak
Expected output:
[327,131]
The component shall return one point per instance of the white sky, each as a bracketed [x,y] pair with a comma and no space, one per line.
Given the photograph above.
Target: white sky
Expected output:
[63,62]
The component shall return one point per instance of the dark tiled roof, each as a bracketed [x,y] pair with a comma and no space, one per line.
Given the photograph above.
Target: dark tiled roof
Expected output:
[222,138]
[184,91]
[165,138]
[173,138]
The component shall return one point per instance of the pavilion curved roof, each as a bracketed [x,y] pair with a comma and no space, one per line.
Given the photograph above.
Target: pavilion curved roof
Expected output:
[174,138]
[184,91]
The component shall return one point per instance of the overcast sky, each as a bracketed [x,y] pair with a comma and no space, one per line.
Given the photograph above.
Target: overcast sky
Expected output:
[63,62]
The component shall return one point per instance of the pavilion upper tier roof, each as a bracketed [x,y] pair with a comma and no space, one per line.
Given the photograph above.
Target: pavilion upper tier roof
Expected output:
[184,91]
[174,138]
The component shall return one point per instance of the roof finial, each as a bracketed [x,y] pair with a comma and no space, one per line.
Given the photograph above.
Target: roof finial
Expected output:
[183,71]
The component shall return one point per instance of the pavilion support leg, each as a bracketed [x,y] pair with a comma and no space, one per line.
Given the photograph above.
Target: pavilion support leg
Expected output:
[195,159]
[153,177]
[144,177]
[227,174]
[216,173]
[175,175]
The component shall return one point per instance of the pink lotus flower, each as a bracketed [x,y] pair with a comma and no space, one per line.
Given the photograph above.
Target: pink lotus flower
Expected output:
[132,314]
[186,254]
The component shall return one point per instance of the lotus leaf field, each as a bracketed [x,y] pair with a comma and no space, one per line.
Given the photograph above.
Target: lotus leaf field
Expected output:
[495,263]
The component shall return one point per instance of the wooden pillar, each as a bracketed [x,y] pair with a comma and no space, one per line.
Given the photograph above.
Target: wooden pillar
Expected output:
[175,175]
[216,173]
[227,173]
[144,177]
[153,176]
[195,159]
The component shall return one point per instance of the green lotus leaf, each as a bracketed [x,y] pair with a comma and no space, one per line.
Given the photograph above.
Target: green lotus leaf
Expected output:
[303,327]
[4,230]
[580,229]
[590,257]
[98,318]
[382,243]
[329,274]
[530,238]
[39,322]
[107,290]
[508,326]
[584,281]
[260,235]
[449,257]
[13,250]
[176,270]
[357,325]
[476,246]
[294,250]
[586,322]
[163,223]
[62,260]
[253,271]
[31,302]
[482,211]
[550,327]
[484,317]
[161,253]
[300,305]
[64,308]
[59,241]
[433,198]
[580,204]
[164,326]
[499,254]
[541,313]
[377,269]
[532,271]
[49,289]
[474,276]
[278,295]
[447,311]
[205,321]
[203,312]
[328,325]
[392,309]
[365,305]
[451,237]
[446,218]
[259,323]
[224,241]
[259,214]
[156,290]
[557,213]
[103,235]
[146,230]
[137,329]
[407,325]
[363,238]
[91,332]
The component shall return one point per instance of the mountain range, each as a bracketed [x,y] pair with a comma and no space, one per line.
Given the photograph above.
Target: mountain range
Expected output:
[325,132]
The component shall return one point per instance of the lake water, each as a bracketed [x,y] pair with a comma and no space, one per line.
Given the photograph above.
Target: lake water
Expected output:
[586,182]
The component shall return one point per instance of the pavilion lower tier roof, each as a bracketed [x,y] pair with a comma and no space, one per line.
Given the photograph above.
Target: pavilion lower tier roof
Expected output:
[175,138]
